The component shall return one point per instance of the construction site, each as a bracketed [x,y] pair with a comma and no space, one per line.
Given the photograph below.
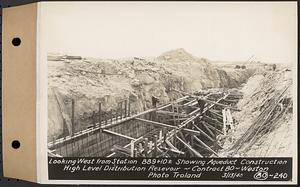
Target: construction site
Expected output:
[173,105]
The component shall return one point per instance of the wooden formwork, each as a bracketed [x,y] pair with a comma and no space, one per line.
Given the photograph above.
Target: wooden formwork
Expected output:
[183,127]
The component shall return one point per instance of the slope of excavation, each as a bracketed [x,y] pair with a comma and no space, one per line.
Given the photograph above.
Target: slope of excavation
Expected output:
[266,120]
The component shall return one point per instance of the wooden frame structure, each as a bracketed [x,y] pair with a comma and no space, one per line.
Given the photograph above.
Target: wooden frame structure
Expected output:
[179,128]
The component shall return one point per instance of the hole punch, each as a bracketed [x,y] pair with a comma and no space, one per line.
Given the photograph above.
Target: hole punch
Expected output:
[15,144]
[16,41]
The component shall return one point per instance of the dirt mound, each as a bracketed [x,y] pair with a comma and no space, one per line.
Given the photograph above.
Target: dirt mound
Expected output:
[89,81]
[180,55]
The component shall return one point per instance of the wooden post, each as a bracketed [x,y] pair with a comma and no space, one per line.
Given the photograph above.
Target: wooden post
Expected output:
[191,149]
[146,147]
[99,114]
[94,118]
[97,142]
[66,150]
[73,117]
[72,148]
[88,144]
[140,147]
[132,148]
[53,142]
[155,145]
[178,115]
[78,148]
[215,143]
[160,135]
[117,112]
[165,133]
[173,110]
[192,140]
[125,108]
[111,116]
[206,146]
[121,109]
[129,108]
[82,148]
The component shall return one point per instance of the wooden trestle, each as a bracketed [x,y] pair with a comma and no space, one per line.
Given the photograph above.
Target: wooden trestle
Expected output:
[177,129]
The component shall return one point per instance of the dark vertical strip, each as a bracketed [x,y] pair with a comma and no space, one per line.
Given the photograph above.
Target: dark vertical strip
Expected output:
[146,147]
[155,145]
[121,109]
[111,116]
[73,117]
[94,118]
[99,114]
[129,108]
[125,108]
[88,145]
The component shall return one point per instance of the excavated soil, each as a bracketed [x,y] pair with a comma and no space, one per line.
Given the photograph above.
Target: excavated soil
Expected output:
[265,124]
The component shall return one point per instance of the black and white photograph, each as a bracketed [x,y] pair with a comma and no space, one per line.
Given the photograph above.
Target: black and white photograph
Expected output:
[171,80]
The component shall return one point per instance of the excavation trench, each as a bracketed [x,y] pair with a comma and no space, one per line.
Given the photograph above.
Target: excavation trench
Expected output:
[192,125]
[188,126]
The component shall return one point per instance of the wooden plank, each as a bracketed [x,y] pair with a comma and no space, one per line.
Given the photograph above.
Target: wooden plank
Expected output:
[184,139]
[203,133]
[171,113]
[212,127]
[216,114]
[177,119]
[122,150]
[117,134]
[231,100]
[194,111]
[189,106]
[132,148]
[194,101]
[171,145]
[190,102]
[208,129]
[206,146]
[167,126]
[214,120]
[196,153]
[209,101]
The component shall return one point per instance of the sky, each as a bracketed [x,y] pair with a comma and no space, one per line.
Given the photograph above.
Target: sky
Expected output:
[216,31]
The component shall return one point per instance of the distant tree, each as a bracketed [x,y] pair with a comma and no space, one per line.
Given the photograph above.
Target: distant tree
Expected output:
[237,67]
[243,67]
